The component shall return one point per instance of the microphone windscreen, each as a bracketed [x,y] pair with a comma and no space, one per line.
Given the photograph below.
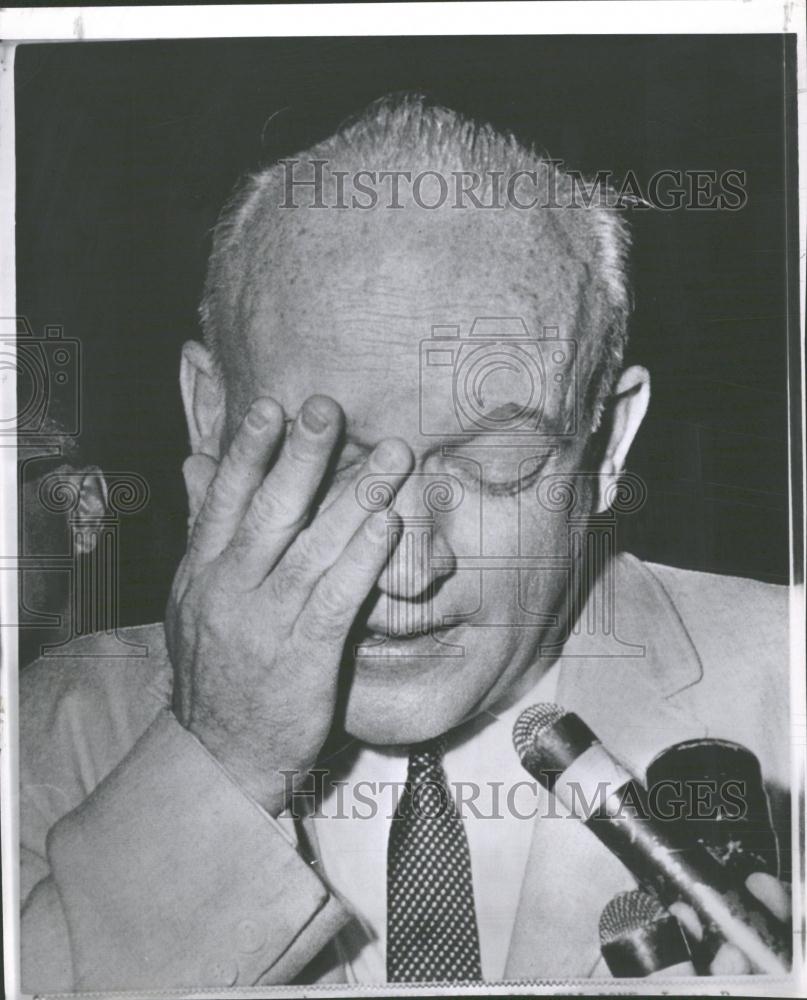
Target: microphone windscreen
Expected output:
[639,937]
[548,740]
[531,723]
[627,912]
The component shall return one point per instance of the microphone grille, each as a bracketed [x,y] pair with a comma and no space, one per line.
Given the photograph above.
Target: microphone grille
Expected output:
[531,722]
[628,911]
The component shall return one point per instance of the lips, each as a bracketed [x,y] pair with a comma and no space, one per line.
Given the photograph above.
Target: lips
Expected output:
[372,636]
[384,620]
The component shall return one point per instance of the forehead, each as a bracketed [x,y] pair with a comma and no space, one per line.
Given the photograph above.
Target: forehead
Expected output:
[348,304]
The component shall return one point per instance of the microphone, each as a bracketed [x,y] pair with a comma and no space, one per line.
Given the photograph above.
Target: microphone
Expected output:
[559,750]
[715,796]
[638,937]
[733,821]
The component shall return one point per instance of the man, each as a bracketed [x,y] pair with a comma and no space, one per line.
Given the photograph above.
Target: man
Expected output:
[379,578]
[62,504]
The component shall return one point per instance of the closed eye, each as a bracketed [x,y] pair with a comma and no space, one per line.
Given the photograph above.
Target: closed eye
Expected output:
[515,486]
[496,478]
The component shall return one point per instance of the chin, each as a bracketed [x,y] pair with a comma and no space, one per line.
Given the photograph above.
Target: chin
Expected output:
[386,725]
[410,694]
[406,690]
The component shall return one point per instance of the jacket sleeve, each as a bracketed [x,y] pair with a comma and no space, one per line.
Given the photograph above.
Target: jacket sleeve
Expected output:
[167,876]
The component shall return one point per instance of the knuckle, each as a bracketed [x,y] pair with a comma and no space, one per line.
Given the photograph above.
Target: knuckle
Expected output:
[292,577]
[304,553]
[271,509]
[241,465]
[330,608]
[243,446]
[221,494]
[304,453]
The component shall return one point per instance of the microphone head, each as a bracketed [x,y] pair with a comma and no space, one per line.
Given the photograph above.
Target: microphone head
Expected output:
[628,912]
[639,937]
[531,723]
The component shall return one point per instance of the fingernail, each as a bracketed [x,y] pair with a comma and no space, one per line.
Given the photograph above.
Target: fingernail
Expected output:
[313,420]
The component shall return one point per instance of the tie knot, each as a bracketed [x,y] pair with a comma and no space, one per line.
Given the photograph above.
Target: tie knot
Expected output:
[426,760]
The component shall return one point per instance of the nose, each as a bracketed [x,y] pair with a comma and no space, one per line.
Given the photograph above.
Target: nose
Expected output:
[421,558]
[422,555]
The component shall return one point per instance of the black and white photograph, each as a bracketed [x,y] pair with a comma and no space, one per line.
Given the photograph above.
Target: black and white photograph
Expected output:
[402,500]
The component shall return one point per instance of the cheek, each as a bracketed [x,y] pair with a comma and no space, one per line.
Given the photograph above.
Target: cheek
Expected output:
[511,526]
[531,539]
[543,532]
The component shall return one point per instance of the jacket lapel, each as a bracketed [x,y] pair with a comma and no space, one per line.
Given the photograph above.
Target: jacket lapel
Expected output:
[634,693]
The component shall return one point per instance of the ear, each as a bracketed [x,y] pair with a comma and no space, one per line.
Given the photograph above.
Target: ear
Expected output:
[624,415]
[92,505]
[204,398]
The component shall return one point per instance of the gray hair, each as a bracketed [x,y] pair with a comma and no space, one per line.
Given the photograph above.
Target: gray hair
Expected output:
[440,139]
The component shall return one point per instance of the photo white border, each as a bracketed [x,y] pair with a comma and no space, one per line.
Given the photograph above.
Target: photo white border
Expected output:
[558,17]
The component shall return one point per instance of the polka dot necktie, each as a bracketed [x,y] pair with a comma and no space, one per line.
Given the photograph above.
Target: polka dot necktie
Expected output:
[431,921]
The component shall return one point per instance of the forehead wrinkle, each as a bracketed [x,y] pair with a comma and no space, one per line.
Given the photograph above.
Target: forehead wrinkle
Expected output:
[374,312]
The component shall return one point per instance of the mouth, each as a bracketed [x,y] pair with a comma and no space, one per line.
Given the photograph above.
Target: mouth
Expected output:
[365,639]
[370,635]
[390,629]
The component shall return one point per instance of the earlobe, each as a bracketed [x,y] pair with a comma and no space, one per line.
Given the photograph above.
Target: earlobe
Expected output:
[628,406]
[203,397]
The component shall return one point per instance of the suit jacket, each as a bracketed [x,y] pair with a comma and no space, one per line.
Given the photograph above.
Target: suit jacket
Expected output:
[145,866]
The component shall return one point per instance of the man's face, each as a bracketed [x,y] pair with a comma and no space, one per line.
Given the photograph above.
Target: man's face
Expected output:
[46,545]
[471,590]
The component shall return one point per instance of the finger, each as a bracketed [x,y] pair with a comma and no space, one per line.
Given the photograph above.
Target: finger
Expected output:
[336,599]
[729,961]
[317,547]
[238,476]
[688,919]
[199,469]
[771,893]
[280,506]
[198,472]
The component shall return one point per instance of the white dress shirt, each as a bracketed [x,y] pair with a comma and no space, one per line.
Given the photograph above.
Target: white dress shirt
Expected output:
[353,847]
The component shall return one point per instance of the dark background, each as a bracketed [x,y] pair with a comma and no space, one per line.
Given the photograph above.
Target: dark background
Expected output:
[126,151]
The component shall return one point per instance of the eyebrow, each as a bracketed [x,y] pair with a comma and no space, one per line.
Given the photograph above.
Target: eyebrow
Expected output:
[548,427]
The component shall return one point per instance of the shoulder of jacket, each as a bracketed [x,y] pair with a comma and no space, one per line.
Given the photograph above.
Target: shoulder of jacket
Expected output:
[728,613]
[124,676]
[739,628]
[685,582]
[128,653]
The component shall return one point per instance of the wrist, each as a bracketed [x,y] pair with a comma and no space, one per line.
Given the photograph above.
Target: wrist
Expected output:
[265,785]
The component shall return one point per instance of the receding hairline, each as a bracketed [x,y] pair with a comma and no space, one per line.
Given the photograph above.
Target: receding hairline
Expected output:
[430,136]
